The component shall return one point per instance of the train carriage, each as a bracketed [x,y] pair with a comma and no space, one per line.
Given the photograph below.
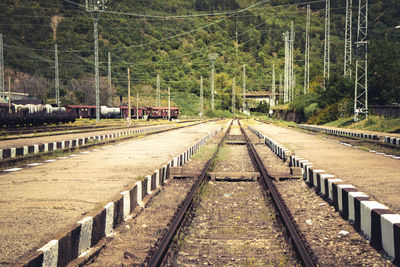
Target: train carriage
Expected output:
[162,112]
[124,112]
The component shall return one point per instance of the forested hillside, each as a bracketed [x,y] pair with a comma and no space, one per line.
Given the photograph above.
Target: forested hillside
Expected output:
[174,39]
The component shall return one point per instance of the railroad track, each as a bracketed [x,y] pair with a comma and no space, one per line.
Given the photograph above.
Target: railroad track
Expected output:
[41,131]
[231,219]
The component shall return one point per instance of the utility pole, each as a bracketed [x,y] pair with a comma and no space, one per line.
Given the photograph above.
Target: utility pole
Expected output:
[2,89]
[347,40]
[137,104]
[236,37]
[96,6]
[201,97]
[158,104]
[56,78]
[9,94]
[273,97]
[361,82]
[280,86]
[169,103]
[244,87]
[129,95]
[233,97]
[212,57]
[307,54]
[291,65]
[327,41]
[109,80]
[286,74]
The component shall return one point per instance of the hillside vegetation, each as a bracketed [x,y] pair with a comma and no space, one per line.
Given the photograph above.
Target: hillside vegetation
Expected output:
[178,47]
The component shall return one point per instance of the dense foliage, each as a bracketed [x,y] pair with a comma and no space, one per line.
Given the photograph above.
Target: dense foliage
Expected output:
[178,48]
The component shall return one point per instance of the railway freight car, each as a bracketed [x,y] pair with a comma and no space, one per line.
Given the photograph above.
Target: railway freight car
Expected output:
[124,112]
[82,111]
[32,115]
[162,112]
[85,111]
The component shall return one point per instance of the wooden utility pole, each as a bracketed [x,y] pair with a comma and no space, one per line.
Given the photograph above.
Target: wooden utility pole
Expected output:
[9,94]
[109,81]
[56,76]
[137,105]
[169,104]
[129,95]
[201,97]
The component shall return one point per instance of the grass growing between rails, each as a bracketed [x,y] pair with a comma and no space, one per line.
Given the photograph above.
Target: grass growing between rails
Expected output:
[373,123]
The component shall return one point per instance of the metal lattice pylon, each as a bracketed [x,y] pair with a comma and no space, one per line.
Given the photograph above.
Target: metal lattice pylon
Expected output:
[347,40]
[286,72]
[291,65]
[327,41]
[307,54]
[361,81]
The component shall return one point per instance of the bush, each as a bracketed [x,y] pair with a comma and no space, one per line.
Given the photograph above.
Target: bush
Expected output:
[310,110]
[217,113]
[330,113]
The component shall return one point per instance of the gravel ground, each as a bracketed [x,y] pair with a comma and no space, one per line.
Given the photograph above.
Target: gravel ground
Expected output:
[233,224]
[320,225]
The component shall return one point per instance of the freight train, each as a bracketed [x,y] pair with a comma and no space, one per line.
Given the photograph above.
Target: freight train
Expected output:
[32,115]
[122,112]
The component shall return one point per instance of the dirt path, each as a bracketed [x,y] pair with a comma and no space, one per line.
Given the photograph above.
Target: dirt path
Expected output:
[376,175]
[38,202]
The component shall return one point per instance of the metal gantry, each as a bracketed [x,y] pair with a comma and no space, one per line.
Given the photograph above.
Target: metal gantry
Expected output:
[96,6]
[361,79]
[307,54]
[327,41]
[347,40]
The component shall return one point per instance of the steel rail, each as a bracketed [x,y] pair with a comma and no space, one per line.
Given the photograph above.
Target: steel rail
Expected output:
[266,181]
[162,249]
